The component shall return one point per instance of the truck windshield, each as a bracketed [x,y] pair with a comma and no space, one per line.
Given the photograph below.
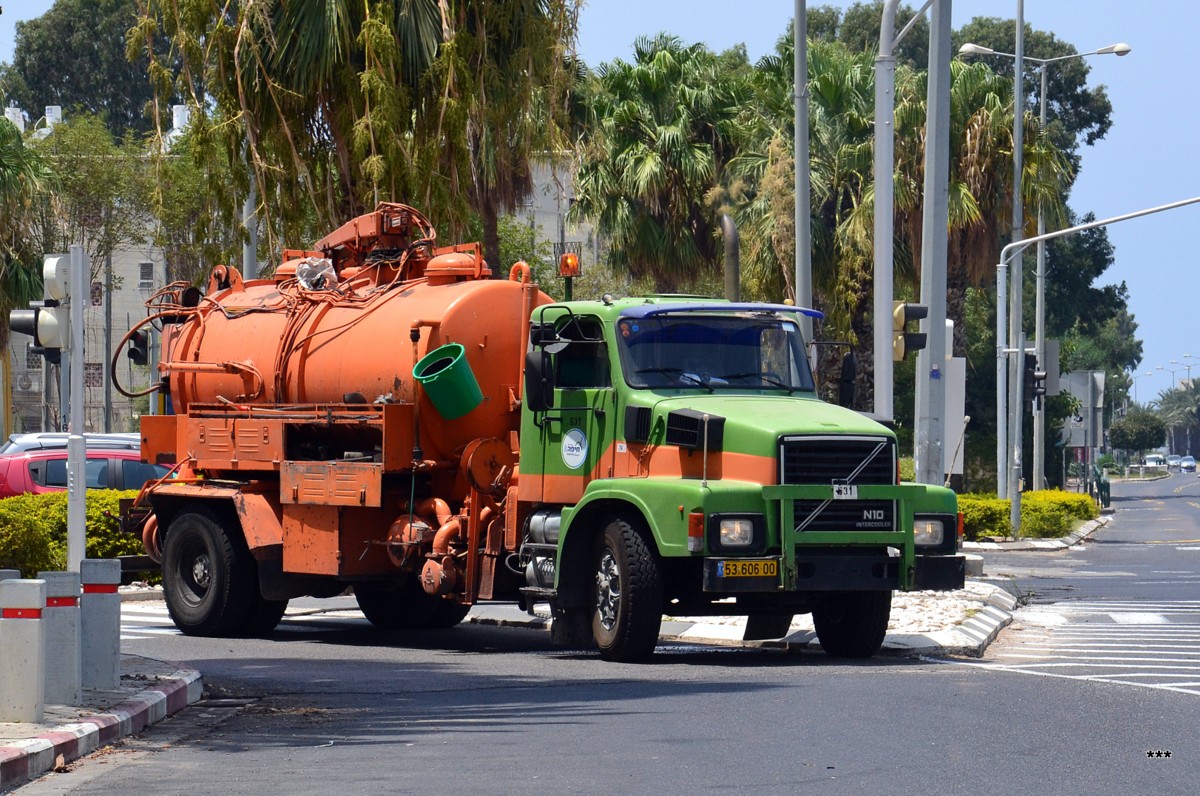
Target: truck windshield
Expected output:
[713,352]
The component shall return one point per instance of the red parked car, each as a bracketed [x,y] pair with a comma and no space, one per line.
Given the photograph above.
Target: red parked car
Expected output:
[38,471]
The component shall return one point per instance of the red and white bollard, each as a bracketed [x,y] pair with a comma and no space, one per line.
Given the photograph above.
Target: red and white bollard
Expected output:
[100,622]
[22,647]
[61,621]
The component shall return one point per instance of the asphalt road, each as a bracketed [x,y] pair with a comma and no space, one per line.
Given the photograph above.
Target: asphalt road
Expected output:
[329,706]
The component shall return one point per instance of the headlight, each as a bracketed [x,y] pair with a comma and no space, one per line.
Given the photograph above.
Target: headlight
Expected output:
[928,533]
[737,532]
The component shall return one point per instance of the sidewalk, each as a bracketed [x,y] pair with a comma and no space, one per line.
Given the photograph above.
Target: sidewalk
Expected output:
[150,691]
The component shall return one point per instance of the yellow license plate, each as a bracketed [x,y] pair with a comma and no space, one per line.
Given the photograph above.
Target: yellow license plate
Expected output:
[755,568]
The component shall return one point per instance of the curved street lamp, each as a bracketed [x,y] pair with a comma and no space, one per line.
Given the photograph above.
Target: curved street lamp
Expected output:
[1172,371]
[1136,378]
[1039,415]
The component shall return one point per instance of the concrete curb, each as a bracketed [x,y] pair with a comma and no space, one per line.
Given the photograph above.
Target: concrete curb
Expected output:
[22,760]
[1076,537]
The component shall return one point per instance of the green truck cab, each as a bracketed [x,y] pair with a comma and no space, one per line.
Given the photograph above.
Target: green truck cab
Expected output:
[675,459]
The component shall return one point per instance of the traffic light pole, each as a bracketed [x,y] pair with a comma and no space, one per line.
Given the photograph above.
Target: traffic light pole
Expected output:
[1008,252]
[76,451]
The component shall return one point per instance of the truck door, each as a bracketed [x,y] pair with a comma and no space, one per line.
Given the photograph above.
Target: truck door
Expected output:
[579,428]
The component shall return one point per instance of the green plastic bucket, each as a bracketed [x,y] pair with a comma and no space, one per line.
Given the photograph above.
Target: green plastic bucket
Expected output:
[448,381]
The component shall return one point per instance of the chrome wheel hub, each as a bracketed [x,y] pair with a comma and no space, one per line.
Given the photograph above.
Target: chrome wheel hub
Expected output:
[608,590]
[202,571]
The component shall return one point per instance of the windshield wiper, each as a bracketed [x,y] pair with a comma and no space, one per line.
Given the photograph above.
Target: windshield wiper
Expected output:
[679,373]
[771,380]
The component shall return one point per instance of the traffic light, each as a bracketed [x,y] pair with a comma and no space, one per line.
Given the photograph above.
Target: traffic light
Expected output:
[905,342]
[47,321]
[1035,382]
[139,348]
[568,264]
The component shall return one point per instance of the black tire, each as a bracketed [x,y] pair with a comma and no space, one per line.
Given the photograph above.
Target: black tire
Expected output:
[852,624]
[447,614]
[209,581]
[406,606]
[762,625]
[264,617]
[629,594]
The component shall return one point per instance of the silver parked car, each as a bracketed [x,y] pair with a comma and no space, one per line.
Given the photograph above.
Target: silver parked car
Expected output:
[50,440]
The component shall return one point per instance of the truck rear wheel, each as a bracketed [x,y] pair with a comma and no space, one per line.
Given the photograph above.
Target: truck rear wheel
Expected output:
[629,594]
[852,624]
[264,617]
[406,606]
[209,583]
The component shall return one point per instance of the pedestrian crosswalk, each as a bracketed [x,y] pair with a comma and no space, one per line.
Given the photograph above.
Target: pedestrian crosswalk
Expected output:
[143,620]
[1145,644]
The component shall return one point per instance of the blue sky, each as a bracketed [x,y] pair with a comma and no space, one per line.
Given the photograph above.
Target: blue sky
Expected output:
[1146,159]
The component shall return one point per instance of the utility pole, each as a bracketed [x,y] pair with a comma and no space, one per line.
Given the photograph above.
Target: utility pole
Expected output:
[931,360]
[1016,325]
[76,451]
[803,178]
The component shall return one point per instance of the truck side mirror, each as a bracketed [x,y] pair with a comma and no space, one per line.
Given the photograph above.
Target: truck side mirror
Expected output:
[539,376]
[846,383]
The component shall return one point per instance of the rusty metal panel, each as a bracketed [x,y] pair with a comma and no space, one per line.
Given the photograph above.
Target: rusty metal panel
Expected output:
[158,438]
[257,442]
[397,437]
[259,516]
[310,540]
[209,441]
[331,483]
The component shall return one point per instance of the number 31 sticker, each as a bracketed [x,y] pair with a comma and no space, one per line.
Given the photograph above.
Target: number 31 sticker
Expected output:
[845,491]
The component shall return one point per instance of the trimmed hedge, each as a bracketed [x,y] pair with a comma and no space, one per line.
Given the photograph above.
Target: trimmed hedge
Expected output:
[33,530]
[1045,514]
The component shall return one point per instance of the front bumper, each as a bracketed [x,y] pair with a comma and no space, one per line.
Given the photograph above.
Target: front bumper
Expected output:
[836,560]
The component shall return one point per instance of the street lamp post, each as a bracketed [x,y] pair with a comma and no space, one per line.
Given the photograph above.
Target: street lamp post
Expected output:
[1039,414]
[1189,367]
[1136,378]
[1172,371]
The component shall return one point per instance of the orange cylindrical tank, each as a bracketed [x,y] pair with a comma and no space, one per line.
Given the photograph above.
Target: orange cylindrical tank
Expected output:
[287,346]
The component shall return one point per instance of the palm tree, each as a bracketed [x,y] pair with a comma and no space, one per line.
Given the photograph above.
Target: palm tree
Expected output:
[23,174]
[661,133]
[1178,409]
[338,105]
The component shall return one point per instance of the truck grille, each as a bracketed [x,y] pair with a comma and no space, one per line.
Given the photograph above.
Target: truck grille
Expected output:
[827,460]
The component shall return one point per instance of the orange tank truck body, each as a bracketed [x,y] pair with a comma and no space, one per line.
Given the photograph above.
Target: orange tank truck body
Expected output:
[320,352]
[303,439]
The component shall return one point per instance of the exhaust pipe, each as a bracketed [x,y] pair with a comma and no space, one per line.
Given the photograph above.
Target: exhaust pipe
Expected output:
[733,263]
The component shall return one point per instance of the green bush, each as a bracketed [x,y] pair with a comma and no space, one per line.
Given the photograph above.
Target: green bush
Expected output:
[33,530]
[983,515]
[1045,514]
[1044,519]
[27,542]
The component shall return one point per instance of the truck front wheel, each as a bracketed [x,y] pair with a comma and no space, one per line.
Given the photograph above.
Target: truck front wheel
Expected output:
[852,624]
[208,581]
[629,594]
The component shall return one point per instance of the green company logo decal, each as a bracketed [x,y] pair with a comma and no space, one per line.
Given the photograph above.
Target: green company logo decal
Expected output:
[574,448]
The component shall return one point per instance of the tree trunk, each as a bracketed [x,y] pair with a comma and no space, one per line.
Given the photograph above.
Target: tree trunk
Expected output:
[491,239]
